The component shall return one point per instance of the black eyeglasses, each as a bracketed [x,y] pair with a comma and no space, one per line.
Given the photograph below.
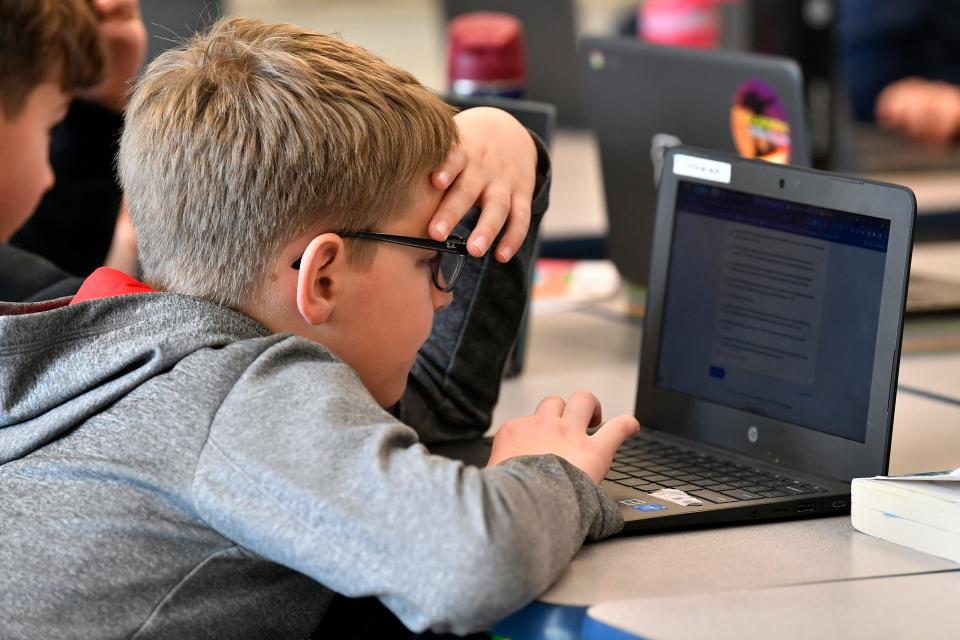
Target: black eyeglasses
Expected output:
[445,267]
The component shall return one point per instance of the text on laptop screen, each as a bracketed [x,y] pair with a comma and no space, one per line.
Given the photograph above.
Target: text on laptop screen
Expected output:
[772,307]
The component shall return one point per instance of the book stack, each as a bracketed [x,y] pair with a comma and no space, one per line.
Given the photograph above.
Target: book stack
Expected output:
[918,511]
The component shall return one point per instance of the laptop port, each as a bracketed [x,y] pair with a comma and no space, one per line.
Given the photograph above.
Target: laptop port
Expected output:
[805,507]
[838,504]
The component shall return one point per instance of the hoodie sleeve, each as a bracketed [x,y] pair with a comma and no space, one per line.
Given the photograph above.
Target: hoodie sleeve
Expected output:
[455,382]
[302,468]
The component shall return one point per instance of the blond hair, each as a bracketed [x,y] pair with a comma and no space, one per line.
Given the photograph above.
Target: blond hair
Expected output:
[256,133]
[46,41]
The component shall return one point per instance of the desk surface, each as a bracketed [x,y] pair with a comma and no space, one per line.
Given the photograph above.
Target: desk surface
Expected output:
[895,607]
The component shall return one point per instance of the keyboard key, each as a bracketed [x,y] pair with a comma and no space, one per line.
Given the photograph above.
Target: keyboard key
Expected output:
[756,488]
[655,478]
[672,483]
[740,494]
[687,487]
[632,482]
[615,475]
[795,490]
[773,493]
[721,487]
[660,468]
[650,487]
[712,496]
[689,477]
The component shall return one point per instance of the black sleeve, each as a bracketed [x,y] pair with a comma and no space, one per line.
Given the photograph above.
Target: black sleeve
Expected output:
[73,225]
[25,277]
[455,382]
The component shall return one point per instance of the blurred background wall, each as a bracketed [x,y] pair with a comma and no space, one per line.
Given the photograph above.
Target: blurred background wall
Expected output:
[407,33]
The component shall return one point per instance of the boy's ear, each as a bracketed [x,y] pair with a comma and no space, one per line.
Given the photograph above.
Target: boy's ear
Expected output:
[322,263]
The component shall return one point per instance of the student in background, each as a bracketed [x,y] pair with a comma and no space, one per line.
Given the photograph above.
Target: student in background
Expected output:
[902,62]
[65,68]
[219,449]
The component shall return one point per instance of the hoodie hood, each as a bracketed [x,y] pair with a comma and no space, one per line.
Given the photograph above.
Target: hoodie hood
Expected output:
[62,363]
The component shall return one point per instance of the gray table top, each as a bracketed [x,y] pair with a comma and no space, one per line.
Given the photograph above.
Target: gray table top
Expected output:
[894,607]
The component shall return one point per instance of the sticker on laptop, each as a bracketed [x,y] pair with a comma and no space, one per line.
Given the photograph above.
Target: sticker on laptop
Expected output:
[632,502]
[652,506]
[675,495]
[701,168]
[759,123]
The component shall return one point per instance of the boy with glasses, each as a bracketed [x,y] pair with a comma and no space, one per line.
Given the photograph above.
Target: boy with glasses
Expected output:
[221,452]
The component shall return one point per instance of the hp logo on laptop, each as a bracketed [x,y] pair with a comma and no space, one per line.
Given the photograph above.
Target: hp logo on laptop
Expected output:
[752,434]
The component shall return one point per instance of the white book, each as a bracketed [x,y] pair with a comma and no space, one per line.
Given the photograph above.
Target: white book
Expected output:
[919,511]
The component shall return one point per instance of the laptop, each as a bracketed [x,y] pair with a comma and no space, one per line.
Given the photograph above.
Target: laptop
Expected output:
[771,343]
[643,98]
[539,117]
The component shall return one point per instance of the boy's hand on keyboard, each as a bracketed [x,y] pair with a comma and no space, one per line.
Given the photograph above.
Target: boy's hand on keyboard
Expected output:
[560,428]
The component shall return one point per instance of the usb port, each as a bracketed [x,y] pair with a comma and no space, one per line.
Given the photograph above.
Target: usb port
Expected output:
[805,507]
[838,504]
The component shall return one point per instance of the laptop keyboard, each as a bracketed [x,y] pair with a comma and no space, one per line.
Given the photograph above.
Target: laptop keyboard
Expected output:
[651,465]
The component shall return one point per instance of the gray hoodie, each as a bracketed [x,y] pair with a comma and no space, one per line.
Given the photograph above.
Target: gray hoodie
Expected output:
[170,469]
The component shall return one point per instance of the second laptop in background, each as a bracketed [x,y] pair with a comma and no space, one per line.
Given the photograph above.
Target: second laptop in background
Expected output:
[643,98]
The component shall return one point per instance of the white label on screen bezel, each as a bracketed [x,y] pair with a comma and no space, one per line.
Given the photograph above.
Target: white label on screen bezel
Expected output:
[703,168]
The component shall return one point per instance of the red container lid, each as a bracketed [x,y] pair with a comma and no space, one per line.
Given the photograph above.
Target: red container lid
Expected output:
[486,46]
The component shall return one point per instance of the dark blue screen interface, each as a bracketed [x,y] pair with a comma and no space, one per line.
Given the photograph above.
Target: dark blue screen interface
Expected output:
[772,307]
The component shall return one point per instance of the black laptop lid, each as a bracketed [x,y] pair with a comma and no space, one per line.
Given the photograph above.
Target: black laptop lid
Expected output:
[774,312]
[641,96]
[539,117]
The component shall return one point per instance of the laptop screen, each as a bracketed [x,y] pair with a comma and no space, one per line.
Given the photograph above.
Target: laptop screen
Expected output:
[772,307]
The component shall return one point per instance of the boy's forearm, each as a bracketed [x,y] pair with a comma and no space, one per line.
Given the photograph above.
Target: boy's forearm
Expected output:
[343,494]
[454,385]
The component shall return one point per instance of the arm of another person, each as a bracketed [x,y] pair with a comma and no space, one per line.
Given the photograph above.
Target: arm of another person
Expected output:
[926,110]
[880,43]
[455,382]
[303,468]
